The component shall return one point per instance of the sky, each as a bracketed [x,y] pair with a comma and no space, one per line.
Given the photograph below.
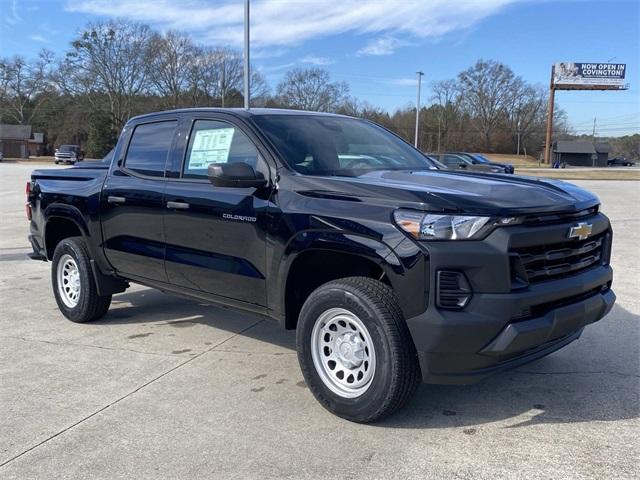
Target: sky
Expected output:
[377,46]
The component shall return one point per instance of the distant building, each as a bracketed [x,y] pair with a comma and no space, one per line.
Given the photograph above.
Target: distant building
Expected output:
[581,153]
[17,141]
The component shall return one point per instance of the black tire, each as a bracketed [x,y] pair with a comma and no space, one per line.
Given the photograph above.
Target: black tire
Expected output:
[397,372]
[90,306]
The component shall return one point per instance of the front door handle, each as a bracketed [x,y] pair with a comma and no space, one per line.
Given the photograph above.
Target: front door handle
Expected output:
[112,199]
[177,205]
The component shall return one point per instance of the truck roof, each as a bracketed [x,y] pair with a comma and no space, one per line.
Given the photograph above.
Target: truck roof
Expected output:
[240,112]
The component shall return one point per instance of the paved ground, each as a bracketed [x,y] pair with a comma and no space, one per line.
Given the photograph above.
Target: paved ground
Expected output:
[168,388]
[583,173]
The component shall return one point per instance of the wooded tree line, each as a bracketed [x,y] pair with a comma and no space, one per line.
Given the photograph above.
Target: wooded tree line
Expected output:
[117,69]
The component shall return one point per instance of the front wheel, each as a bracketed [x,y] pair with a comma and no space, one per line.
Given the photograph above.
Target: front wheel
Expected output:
[73,284]
[355,351]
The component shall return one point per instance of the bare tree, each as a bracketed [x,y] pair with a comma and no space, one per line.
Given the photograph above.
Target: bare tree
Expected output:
[260,90]
[526,112]
[110,59]
[446,99]
[215,75]
[172,56]
[486,90]
[24,87]
[311,89]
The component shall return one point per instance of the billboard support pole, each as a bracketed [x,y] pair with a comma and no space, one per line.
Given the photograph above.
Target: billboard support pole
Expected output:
[547,143]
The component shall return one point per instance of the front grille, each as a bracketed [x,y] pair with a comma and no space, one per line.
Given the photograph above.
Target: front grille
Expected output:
[556,218]
[547,262]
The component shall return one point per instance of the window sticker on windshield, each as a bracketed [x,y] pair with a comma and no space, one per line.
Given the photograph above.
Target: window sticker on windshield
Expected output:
[210,146]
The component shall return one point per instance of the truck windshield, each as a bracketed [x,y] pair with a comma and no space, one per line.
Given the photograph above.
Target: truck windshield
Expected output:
[326,145]
[67,148]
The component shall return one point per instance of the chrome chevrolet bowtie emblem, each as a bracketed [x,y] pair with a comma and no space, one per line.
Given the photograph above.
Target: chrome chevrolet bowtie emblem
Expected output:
[581,231]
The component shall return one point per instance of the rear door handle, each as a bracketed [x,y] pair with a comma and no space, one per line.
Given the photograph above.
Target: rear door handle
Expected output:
[178,205]
[111,199]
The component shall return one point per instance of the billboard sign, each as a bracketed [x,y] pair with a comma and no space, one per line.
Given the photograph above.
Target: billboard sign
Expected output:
[589,75]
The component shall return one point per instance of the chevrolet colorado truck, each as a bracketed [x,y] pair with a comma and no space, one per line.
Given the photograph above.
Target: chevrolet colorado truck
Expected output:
[391,270]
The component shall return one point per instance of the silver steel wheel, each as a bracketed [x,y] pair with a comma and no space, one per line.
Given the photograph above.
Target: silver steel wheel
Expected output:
[68,276]
[343,352]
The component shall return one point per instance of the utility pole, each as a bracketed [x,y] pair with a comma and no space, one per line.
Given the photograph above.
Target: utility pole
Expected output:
[246,54]
[547,143]
[223,85]
[420,74]
[594,156]
[518,149]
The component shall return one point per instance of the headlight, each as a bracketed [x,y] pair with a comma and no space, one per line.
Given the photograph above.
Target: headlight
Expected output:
[428,226]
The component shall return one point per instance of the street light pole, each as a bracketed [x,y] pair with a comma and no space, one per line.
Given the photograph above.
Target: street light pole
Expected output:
[420,74]
[246,54]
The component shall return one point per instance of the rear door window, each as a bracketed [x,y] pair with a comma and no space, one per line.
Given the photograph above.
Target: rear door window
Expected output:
[149,148]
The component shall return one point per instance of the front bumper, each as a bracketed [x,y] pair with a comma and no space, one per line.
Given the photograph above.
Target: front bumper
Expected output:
[464,347]
[505,325]
[65,159]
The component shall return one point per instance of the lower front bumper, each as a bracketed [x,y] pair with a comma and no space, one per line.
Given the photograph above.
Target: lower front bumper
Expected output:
[490,335]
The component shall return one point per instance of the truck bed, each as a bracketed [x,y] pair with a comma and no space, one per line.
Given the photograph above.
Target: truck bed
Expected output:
[68,193]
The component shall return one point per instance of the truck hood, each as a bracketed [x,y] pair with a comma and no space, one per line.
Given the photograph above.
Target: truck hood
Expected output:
[468,192]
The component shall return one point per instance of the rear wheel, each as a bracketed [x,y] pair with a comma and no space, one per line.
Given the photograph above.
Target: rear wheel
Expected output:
[355,351]
[73,284]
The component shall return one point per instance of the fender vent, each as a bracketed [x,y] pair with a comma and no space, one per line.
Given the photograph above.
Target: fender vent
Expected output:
[453,290]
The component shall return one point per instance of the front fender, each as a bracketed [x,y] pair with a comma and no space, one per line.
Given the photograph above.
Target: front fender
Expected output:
[406,277]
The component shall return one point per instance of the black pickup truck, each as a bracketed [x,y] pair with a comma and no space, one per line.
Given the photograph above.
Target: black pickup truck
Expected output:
[391,270]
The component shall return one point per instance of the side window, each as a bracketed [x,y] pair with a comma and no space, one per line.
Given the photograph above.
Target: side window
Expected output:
[212,141]
[149,147]
[451,161]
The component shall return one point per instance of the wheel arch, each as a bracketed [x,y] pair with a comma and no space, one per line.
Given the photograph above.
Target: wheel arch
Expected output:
[60,222]
[313,258]
[65,221]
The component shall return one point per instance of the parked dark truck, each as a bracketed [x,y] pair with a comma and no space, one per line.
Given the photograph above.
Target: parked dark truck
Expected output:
[391,270]
[68,154]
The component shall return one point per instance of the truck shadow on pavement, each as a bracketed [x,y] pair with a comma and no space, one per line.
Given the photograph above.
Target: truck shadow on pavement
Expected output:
[596,378]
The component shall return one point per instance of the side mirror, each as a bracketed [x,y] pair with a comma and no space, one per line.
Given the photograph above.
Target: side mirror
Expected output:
[238,175]
[463,165]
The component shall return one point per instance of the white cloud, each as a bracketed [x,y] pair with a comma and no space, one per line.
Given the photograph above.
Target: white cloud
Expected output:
[381,46]
[315,60]
[39,38]
[289,22]
[267,52]
[11,16]
[402,82]
[276,68]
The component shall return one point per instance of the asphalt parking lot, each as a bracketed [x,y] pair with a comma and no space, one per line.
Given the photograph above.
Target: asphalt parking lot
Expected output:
[164,387]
